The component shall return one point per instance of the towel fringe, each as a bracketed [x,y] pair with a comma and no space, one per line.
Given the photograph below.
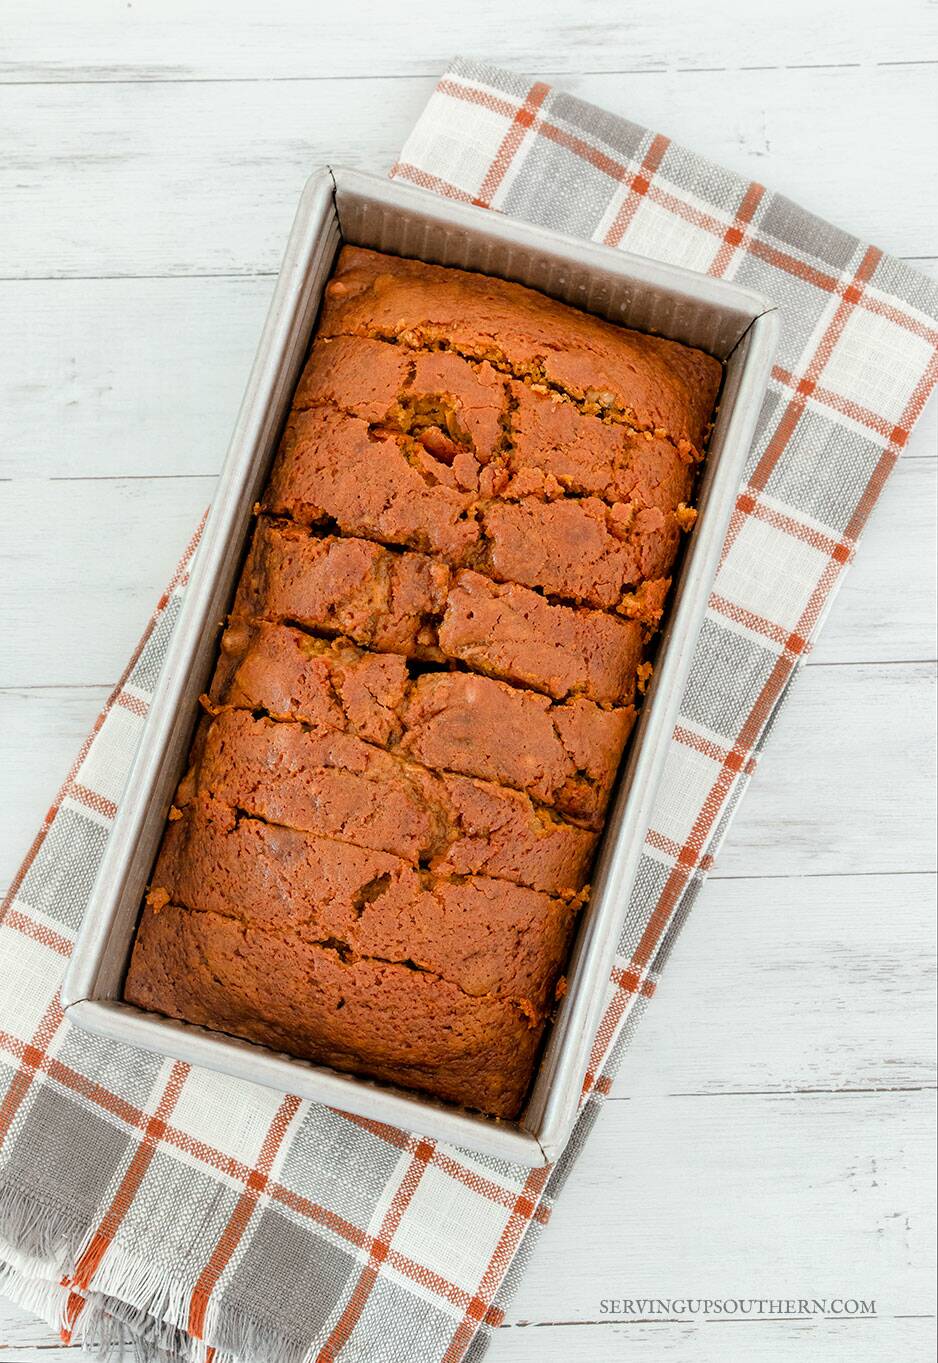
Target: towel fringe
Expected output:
[132,1309]
[38,1228]
[110,1328]
[41,1298]
[242,1336]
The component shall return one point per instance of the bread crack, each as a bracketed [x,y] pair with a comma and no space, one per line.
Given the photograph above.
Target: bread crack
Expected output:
[350,957]
[479,562]
[592,402]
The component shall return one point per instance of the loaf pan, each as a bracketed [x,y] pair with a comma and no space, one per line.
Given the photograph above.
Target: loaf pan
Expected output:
[337,205]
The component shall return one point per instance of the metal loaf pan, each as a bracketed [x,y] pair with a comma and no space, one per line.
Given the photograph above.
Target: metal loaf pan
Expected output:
[343,205]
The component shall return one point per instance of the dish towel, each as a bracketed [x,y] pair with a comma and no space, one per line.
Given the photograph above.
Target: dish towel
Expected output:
[200,1218]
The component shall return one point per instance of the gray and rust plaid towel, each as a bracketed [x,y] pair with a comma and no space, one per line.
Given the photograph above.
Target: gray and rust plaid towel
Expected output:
[204,1219]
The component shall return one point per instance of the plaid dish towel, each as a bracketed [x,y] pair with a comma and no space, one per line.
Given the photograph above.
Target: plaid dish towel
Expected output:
[204,1219]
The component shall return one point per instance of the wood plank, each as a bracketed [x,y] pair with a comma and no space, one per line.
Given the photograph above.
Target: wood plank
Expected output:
[93,556]
[99,379]
[194,178]
[847,780]
[83,565]
[175,40]
[124,377]
[677,1342]
[787,1195]
[793,984]
[23,1338]
[30,1341]
[180,178]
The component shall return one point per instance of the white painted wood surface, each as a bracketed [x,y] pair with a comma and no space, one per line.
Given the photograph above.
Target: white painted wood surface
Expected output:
[780,1103]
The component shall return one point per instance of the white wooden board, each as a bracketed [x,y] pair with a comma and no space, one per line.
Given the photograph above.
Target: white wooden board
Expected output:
[780,1102]
[179,40]
[180,177]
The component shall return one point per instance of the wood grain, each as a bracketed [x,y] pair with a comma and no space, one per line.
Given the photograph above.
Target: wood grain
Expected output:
[203,178]
[832,974]
[99,379]
[78,594]
[739,1191]
[592,1342]
[101,599]
[178,40]
[107,377]
[767,1342]
[778,1102]
[741,1213]
[848,778]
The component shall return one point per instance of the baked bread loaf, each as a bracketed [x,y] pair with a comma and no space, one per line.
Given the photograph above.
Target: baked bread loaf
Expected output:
[430,672]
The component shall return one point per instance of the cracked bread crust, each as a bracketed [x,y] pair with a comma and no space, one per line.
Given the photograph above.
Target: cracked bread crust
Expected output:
[409,603]
[381,485]
[389,1021]
[326,682]
[649,383]
[485,936]
[507,631]
[603,459]
[334,785]
[386,486]
[499,434]
[378,854]
[343,586]
[563,754]
[387,385]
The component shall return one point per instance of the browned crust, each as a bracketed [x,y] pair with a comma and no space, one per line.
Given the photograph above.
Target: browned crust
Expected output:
[501,437]
[294,995]
[335,469]
[428,677]
[563,754]
[409,603]
[486,936]
[334,785]
[651,383]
